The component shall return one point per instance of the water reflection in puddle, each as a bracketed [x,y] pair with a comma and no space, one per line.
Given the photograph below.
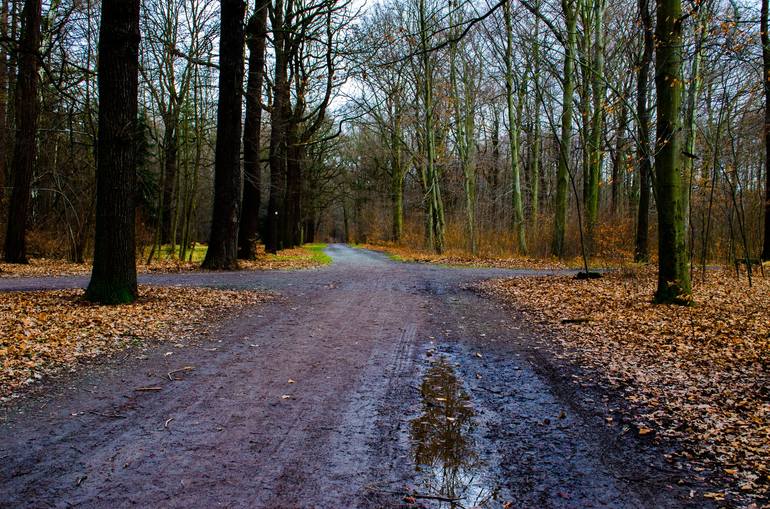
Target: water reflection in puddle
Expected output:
[444,445]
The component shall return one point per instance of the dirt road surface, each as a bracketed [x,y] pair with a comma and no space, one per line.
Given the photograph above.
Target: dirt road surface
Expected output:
[370,383]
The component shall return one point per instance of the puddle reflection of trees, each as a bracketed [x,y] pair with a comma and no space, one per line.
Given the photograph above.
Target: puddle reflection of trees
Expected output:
[443,441]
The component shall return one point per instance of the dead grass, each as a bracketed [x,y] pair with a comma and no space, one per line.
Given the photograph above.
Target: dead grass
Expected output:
[698,376]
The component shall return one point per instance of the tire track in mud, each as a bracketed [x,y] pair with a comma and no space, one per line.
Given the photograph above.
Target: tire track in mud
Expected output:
[343,448]
[538,448]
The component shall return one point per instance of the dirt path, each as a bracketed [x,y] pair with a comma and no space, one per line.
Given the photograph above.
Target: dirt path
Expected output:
[402,382]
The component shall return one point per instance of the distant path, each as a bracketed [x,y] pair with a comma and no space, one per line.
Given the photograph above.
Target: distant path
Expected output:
[345,259]
[356,338]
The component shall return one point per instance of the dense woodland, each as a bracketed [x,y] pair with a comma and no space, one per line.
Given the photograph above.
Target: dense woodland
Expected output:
[608,130]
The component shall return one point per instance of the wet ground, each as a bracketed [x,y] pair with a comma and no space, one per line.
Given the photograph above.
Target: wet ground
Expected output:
[371,383]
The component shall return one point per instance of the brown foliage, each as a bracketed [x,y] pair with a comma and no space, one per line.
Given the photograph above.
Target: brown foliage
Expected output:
[45,332]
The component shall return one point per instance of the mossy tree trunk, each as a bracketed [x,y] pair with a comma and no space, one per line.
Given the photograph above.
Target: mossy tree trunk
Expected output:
[464,110]
[693,92]
[565,143]
[433,189]
[519,228]
[598,90]
[673,273]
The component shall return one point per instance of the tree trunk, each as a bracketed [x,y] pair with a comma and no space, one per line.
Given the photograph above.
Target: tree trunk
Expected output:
[295,150]
[3,99]
[693,92]
[565,142]
[673,273]
[433,189]
[113,279]
[279,118]
[397,174]
[464,127]
[223,244]
[536,143]
[252,131]
[618,161]
[641,247]
[766,74]
[495,167]
[170,156]
[519,228]
[25,148]
[598,89]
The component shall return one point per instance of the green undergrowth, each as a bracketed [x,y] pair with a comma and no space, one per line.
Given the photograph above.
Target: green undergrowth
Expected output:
[169,252]
[319,256]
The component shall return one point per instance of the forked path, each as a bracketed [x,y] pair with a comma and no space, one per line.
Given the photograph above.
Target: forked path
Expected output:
[403,384]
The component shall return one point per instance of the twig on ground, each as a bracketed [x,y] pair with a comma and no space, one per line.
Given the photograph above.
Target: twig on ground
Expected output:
[417,495]
[171,373]
[112,416]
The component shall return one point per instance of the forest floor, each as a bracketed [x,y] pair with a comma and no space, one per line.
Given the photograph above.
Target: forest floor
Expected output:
[461,258]
[695,377]
[51,331]
[365,383]
[305,257]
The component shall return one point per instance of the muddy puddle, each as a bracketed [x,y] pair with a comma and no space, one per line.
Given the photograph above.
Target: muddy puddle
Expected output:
[451,471]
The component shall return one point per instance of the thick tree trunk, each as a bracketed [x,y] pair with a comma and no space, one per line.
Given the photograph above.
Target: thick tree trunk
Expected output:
[766,74]
[3,99]
[565,142]
[25,148]
[113,279]
[641,247]
[279,118]
[252,131]
[673,273]
[223,244]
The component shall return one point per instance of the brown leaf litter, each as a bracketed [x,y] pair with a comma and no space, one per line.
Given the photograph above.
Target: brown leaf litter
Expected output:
[45,332]
[697,377]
